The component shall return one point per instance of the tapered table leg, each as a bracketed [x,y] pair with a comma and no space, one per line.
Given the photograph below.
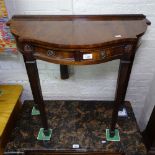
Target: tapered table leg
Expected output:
[34,80]
[122,83]
[64,72]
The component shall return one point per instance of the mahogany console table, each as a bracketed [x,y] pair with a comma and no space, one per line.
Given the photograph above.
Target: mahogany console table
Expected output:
[78,40]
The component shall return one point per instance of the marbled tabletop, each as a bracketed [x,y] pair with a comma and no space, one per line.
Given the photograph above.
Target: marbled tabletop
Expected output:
[76,122]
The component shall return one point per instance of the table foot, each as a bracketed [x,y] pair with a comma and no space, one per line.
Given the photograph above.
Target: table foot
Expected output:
[44,134]
[112,135]
[35,111]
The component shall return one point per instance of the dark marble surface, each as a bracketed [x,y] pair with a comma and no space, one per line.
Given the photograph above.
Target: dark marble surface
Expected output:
[76,122]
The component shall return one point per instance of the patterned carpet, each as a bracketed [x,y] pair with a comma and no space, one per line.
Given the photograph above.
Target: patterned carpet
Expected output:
[7,42]
[76,122]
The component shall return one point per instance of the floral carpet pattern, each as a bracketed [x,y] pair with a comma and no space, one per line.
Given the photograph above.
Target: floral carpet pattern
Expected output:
[76,122]
[7,42]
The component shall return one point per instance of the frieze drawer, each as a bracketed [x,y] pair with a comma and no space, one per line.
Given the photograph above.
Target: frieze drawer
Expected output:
[82,55]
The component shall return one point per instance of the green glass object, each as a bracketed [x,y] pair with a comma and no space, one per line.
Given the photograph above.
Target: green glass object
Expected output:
[35,111]
[43,136]
[116,137]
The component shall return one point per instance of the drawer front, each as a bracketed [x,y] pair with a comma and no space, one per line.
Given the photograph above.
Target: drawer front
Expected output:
[83,56]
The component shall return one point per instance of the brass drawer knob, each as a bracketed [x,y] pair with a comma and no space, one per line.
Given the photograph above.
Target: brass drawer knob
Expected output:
[50,53]
[103,54]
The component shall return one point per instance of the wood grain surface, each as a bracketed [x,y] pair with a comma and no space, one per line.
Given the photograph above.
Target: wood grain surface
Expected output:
[8,99]
[9,108]
[78,31]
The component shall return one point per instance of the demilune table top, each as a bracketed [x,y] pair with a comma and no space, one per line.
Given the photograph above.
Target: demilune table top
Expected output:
[76,122]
